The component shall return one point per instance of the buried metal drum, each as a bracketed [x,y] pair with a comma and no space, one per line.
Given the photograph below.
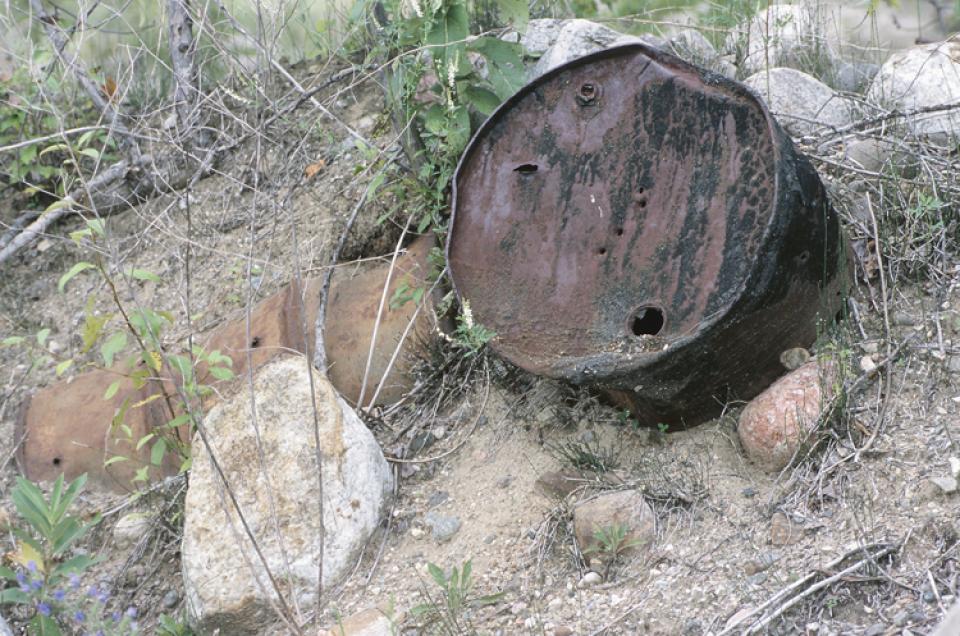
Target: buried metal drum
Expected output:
[634,223]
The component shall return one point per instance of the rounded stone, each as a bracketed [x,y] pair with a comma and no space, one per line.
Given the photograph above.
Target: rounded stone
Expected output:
[776,424]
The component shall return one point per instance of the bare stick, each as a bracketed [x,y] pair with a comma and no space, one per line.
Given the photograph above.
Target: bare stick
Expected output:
[383,302]
[320,350]
[789,590]
[827,582]
[58,135]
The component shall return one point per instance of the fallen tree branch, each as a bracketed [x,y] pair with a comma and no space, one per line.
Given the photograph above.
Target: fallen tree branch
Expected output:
[103,180]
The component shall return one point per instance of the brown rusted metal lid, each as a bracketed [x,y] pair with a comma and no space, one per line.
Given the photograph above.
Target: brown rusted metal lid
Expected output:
[610,208]
[627,207]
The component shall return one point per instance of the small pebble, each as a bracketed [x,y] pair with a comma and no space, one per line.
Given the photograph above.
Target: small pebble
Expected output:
[955,467]
[947,484]
[437,498]
[929,597]
[170,599]
[867,365]
[749,492]
[877,629]
[442,527]
[590,578]
[903,319]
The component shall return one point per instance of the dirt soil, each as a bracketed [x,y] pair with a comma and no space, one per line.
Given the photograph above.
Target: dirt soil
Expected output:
[729,536]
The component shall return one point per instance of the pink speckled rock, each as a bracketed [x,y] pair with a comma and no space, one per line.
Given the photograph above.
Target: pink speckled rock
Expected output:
[778,421]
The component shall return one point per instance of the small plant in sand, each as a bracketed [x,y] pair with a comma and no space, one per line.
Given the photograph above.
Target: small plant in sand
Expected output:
[448,612]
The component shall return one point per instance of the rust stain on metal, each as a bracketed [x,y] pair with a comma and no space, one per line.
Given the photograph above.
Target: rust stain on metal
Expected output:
[66,428]
[632,222]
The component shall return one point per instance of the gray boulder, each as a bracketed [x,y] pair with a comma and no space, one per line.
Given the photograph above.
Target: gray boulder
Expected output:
[790,35]
[802,104]
[225,583]
[557,42]
[923,77]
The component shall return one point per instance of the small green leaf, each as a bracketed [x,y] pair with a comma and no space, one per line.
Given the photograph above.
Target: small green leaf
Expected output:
[221,373]
[12,340]
[65,202]
[76,269]
[113,346]
[54,148]
[14,596]
[63,366]
[142,274]
[142,474]
[483,100]
[97,226]
[42,336]
[91,152]
[112,389]
[116,459]
[145,440]
[515,13]
[158,451]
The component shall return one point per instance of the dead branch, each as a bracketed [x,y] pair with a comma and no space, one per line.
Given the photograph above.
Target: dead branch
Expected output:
[78,69]
[182,49]
[827,582]
[804,581]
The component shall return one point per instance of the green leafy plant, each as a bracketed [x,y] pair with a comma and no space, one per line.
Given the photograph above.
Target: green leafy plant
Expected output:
[445,80]
[470,335]
[130,343]
[169,626]
[44,568]
[610,542]
[456,591]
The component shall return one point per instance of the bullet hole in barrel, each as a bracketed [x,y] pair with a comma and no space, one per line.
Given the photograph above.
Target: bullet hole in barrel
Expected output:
[642,203]
[255,342]
[619,231]
[588,91]
[804,257]
[602,251]
[526,168]
[56,461]
[648,321]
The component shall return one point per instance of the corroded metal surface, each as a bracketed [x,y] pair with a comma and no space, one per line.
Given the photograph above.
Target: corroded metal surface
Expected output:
[67,427]
[632,222]
[355,297]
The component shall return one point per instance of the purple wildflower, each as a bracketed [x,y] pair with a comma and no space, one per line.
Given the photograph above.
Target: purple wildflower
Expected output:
[116,617]
[32,565]
[132,612]
[37,585]
[43,608]
[92,591]
[59,595]
[79,616]
[74,581]
[21,577]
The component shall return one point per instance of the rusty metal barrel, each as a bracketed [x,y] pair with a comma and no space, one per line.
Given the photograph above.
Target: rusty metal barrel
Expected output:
[634,223]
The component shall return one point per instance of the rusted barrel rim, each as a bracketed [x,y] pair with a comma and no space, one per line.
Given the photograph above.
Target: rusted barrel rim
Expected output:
[601,363]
